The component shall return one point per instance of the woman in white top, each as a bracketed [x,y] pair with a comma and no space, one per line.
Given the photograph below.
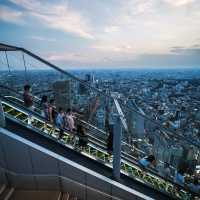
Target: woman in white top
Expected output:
[69,121]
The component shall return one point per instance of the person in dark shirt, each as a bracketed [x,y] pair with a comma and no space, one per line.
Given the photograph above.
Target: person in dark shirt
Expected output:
[28,99]
[195,185]
[52,111]
[83,138]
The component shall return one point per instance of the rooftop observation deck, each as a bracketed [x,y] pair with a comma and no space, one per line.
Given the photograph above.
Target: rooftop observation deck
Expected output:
[93,107]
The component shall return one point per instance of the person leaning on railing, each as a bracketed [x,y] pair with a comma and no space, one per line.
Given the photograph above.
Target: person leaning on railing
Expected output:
[60,122]
[28,101]
[179,177]
[83,138]
[183,179]
[52,111]
[166,173]
[194,186]
[27,97]
[146,162]
[69,120]
[44,105]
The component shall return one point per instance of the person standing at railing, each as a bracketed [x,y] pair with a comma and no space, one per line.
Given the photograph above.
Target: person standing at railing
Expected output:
[70,124]
[60,122]
[83,138]
[28,99]
[52,111]
[195,185]
[44,107]
[69,120]
[166,171]
[147,162]
[179,177]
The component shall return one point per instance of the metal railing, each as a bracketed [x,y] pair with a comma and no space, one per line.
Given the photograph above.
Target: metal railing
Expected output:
[94,151]
[95,103]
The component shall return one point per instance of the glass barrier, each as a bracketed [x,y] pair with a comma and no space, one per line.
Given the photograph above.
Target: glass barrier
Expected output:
[89,106]
[173,153]
[153,138]
[94,109]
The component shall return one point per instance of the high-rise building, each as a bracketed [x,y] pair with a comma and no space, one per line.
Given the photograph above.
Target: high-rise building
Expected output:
[135,120]
[83,90]
[88,77]
[62,93]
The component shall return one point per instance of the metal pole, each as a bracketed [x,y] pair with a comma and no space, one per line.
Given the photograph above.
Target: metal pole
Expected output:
[25,67]
[2,116]
[7,62]
[117,138]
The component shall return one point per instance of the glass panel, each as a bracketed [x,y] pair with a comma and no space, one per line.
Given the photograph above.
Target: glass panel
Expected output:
[94,110]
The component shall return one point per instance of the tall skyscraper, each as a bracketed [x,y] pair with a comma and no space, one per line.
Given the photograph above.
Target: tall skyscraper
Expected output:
[135,120]
[62,93]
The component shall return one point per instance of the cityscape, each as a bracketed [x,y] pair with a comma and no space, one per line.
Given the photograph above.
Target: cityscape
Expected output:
[164,105]
[99,100]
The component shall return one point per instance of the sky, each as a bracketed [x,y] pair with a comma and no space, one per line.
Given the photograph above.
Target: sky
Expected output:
[105,33]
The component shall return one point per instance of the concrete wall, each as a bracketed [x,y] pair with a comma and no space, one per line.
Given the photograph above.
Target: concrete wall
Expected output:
[53,172]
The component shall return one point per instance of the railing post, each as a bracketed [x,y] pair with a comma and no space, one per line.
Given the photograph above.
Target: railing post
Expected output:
[2,116]
[117,137]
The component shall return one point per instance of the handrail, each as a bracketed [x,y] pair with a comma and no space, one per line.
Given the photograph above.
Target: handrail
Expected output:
[171,133]
[82,121]
[90,135]
[99,130]
[163,129]
[156,175]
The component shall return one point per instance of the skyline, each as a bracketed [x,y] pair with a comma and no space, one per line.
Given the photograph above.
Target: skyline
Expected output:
[106,34]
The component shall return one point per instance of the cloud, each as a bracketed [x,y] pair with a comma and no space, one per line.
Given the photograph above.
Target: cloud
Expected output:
[62,56]
[125,49]
[196,46]
[194,50]
[116,31]
[145,6]
[178,3]
[76,59]
[56,16]
[111,29]
[40,38]
[179,56]
[177,49]
[186,59]
[9,15]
